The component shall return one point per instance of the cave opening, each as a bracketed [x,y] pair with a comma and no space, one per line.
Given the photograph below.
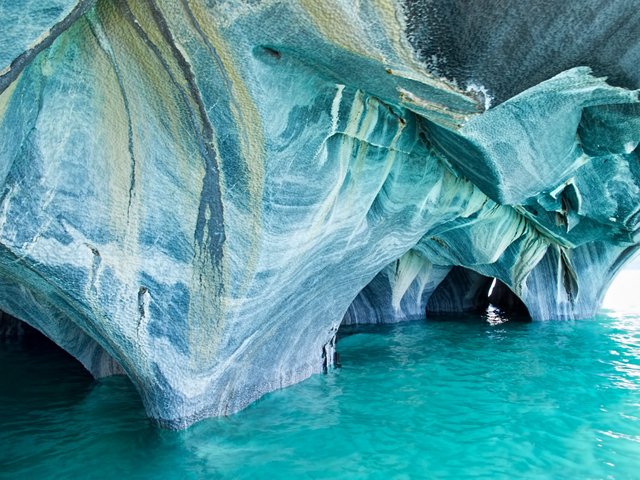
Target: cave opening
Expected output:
[504,305]
[467,294]
[621,293]
[38,377]
[18,336]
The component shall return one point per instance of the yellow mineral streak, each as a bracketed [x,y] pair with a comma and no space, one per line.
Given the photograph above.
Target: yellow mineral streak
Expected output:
[244,109]
[336,23]
[247,118]
[116,121]
[207,315]
[436,112]
[5,97]
[391,17]
[189,172]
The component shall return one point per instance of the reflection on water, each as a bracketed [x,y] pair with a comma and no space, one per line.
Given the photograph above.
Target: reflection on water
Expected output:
[495,316]
[490,398]
[626,336]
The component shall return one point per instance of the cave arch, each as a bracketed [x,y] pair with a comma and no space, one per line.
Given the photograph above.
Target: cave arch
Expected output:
[20,304]
[462,291]
[14,331]
[74,343]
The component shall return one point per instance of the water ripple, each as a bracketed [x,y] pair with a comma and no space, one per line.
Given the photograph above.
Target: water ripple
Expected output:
[483,399]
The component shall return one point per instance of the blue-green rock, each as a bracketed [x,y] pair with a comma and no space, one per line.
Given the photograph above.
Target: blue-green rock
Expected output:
[198,193]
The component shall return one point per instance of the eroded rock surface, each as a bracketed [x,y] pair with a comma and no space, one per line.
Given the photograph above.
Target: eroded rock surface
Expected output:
[198,193]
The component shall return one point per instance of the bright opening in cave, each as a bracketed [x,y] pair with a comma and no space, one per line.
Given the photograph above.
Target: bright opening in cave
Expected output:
[622,295]
[493,285]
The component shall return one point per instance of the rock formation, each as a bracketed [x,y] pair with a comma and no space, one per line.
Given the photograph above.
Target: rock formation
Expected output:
[197,193]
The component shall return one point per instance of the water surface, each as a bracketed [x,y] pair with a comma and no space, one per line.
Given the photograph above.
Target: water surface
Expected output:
[422,400]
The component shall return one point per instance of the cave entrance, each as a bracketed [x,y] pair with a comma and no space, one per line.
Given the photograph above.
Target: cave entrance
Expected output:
[504,305]
[36,374]
[39,380]
[467,294]
[57,334]
[18,336]
[621,295]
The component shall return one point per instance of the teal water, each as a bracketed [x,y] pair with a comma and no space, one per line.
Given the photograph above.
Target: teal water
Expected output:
[454,399]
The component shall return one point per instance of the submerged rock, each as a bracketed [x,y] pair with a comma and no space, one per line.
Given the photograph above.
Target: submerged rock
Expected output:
[198,193]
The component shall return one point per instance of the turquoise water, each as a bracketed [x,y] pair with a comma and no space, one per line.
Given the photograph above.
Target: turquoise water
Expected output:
[423,400]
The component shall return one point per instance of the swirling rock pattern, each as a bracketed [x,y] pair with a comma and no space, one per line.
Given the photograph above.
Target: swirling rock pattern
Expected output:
[197,193]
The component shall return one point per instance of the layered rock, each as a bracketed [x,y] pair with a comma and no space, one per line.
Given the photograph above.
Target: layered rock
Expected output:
[198,193]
